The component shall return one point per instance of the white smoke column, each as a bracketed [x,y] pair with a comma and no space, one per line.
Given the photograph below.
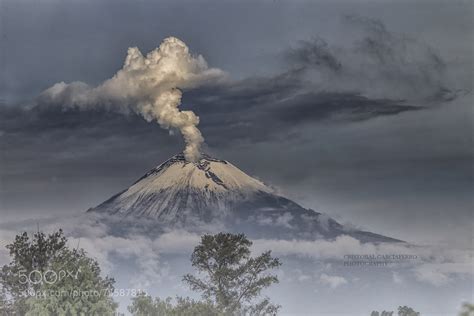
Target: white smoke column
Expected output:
[149,86]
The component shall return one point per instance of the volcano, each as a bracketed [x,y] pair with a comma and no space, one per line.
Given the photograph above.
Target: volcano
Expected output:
[209,191]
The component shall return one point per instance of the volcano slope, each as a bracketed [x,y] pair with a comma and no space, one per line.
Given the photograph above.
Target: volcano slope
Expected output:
[213,193]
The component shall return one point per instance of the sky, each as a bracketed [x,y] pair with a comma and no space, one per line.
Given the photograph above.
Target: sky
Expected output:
[359,109]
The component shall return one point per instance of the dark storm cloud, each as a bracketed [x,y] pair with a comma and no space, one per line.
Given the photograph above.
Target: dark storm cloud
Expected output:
[338,106]
[374,75]
[250,110]
[376,62]
[268,108]
[44,142]
[316,53]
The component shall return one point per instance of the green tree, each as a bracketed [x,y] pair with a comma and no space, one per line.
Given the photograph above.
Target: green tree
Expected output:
[467,310]
[3,304]
[407,311]
[45,277]
[145,305]
[30,258]
[233,280]
[190,307]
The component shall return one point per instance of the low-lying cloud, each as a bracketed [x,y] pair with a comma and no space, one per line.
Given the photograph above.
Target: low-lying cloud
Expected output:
[431,264]
[333,281]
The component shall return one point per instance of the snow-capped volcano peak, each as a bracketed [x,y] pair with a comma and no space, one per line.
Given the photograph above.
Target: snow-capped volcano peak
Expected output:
[215,191]
[207,174]
[178,189]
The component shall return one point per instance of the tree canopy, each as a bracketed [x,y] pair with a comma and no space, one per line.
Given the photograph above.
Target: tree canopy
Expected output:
[145,305]
[45,277]
[467,310]
[229,277]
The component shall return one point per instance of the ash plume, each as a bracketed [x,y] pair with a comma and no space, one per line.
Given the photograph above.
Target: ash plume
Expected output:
[149,86]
